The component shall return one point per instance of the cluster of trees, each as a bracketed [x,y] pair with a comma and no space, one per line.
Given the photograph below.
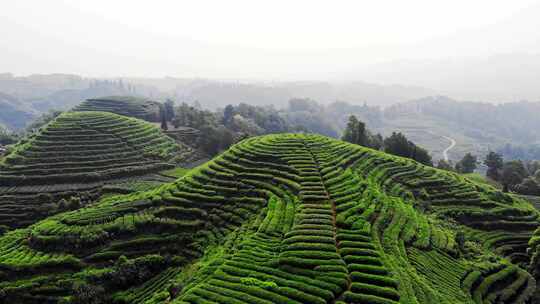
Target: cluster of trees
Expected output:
[214,135]
[308,116]
[399,145]
[514,175]
[466,165]
[255,120]
[357,133]
[223,127]
[396,144]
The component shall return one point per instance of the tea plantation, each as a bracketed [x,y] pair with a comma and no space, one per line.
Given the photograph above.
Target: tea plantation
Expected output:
[124,105]
[289,218]
[79,152]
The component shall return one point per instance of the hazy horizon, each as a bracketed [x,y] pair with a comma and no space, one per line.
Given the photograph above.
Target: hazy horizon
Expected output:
[481,50]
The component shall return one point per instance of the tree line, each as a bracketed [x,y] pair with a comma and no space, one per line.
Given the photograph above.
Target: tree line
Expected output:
[396,144]
[224,127]
[515,175]
[518,176]
[221,128]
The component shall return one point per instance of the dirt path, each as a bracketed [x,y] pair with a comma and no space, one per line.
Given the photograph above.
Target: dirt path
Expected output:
[452,145]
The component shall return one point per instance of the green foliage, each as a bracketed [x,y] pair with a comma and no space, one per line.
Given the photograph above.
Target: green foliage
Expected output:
[494,162]
[258,283]
[289,218]
[467,164]
[176,172]
[109,145]
[528,186]
[513,174]
[356,133]
[398,144]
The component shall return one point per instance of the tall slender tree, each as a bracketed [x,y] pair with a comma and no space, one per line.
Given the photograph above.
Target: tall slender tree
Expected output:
[494,162]
[351,131]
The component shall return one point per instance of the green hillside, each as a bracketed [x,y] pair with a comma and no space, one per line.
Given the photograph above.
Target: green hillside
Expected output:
[77,152]
[124,105]
[284,219]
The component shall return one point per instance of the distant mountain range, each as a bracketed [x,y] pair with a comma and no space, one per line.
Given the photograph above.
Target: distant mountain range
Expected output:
[213,94]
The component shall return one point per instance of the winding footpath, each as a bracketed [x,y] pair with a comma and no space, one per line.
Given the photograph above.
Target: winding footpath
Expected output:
[452,145]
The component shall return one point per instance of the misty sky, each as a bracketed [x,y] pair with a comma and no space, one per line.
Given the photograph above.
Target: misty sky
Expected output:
[371,41]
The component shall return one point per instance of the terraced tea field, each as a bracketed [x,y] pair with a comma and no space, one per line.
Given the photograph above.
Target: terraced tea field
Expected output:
[79,152]
[284,219]
[124,105]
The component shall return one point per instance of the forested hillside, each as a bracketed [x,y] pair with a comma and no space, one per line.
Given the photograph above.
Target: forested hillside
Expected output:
[288,218]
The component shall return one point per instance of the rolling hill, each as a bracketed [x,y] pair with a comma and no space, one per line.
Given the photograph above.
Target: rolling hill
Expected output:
[80,152]
[288,218]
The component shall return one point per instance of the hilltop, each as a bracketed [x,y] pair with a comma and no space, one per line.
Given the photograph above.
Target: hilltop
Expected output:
[286,218]
[124,105]
[76,154]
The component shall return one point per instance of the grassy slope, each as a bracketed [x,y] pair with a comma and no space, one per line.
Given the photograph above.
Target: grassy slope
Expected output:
[479,178]
[285,219]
